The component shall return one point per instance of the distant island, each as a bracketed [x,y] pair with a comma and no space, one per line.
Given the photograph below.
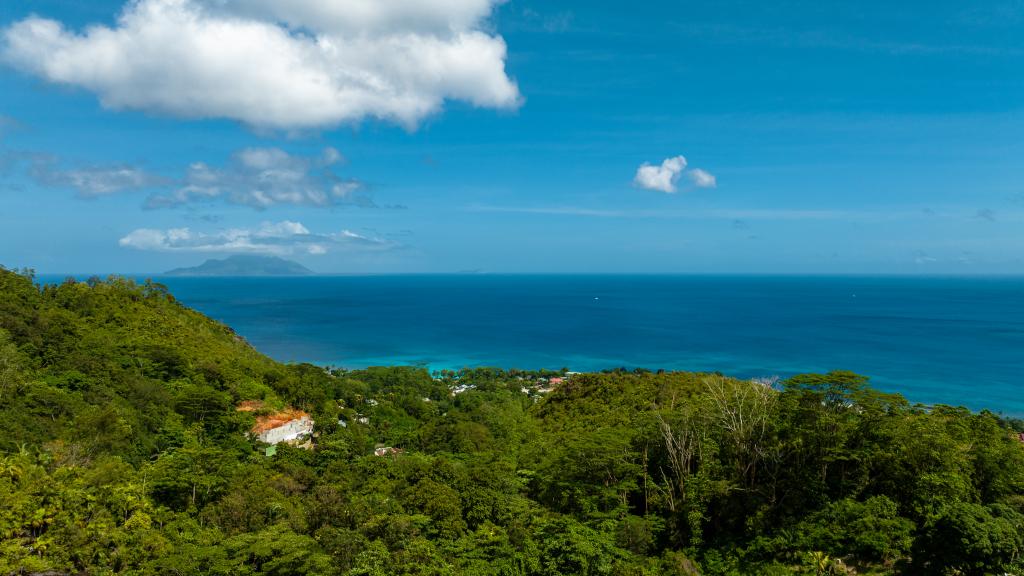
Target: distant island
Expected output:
[245,266]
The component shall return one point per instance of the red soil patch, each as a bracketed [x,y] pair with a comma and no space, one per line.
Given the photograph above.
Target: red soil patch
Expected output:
[271,421]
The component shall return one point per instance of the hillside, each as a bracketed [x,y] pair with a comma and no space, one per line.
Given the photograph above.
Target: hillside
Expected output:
[122,452]
[244,265]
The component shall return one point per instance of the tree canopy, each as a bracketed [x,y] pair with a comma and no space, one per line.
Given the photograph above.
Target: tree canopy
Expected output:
[121,452]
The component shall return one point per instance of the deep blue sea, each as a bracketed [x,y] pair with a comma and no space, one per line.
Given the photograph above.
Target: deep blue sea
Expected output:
[936,340]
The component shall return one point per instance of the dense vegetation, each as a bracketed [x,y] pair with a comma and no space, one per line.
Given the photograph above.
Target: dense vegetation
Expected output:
[121,452]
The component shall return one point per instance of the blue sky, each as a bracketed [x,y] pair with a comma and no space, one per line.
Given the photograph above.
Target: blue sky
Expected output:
[818,137]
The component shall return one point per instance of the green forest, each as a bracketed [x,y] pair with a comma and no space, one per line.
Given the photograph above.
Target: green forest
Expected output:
[122,452]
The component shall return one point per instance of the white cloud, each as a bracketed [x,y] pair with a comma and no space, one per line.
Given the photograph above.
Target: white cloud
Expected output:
[264,177]
[662,178]
[665,177]
[276,238]
[301,64]
[702,178]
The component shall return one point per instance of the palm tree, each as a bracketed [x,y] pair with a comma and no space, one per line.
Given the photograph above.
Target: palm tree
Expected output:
[822,563]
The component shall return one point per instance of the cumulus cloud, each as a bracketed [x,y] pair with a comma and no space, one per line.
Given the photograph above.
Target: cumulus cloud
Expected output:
[662,178]
[274,238]
[301,64]
[264,177]
[665,176]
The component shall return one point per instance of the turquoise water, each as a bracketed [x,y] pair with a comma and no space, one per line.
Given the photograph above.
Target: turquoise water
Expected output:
[936,340]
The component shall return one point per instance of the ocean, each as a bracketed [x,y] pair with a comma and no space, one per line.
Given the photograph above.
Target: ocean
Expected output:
[935,340]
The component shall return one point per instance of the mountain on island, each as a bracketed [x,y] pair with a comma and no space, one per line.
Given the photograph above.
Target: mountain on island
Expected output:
[244,265]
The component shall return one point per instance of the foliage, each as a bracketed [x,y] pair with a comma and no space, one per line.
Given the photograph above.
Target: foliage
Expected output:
[121,452]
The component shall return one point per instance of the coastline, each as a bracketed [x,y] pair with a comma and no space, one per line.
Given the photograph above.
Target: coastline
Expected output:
[934,340]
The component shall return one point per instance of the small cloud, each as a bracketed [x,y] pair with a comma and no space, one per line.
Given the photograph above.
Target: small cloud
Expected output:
[701,178]
[330,156]
[264,177]
[550,23]
[986,214]
[275,238]
[740,225]
[662,178]
[665,177]
[94,181]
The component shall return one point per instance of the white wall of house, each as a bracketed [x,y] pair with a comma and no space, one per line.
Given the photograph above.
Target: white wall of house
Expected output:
[292,430]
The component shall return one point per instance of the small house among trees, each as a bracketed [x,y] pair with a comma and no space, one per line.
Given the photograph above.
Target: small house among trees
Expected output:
[290,426]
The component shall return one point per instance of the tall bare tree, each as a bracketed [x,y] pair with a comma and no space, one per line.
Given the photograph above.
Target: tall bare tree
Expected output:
[744,412]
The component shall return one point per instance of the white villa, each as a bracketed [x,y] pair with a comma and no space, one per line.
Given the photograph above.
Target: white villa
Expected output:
[291,426]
